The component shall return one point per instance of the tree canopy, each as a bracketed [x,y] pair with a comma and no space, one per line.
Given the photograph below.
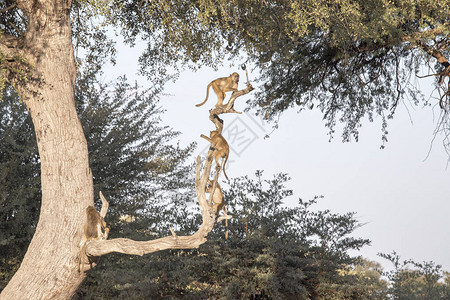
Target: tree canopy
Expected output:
[350,59]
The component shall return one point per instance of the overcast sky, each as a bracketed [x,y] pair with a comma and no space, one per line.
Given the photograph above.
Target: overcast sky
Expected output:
[401,195]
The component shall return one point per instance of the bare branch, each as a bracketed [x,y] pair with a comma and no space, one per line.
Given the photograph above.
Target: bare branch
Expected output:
[173,232]
[230,105]
[214,185]
[428,75]
[223,217]
[128,246]
[105,205]
[8,8]
[227,108]
[20,31]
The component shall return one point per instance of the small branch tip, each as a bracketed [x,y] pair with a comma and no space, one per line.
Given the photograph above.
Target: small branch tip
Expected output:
[173,232]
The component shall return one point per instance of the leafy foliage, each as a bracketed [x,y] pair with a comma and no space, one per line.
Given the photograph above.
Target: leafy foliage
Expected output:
[360,281]
[350,59]
[412,280]
[273,252]
[130,153]
[19,183]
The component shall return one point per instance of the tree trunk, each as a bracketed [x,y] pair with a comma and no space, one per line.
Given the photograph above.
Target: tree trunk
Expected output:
[49,269]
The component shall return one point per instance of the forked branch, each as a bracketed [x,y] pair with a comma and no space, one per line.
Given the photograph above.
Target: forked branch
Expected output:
[127,246]
[227,108]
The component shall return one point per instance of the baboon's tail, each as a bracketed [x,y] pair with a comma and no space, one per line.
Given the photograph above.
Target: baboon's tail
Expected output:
[223,167]
[207,94]
[226,223]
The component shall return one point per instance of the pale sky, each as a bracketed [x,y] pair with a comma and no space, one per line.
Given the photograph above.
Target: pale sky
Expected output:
[400,195]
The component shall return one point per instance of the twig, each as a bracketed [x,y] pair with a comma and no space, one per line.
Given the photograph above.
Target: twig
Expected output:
[173,232]
[7,8]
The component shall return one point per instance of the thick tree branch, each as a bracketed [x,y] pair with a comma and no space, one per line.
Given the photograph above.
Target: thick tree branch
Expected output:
[128,246]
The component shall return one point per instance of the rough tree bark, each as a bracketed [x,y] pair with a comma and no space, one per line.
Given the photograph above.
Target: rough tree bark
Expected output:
[45,52]
[48,270]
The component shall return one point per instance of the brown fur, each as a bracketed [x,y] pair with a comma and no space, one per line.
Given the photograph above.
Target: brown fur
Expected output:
[221,86]
[221,148]
[218,201]
[94,229]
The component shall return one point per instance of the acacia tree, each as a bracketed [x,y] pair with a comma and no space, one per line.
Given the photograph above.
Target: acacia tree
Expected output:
[37,59]
[310,53]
